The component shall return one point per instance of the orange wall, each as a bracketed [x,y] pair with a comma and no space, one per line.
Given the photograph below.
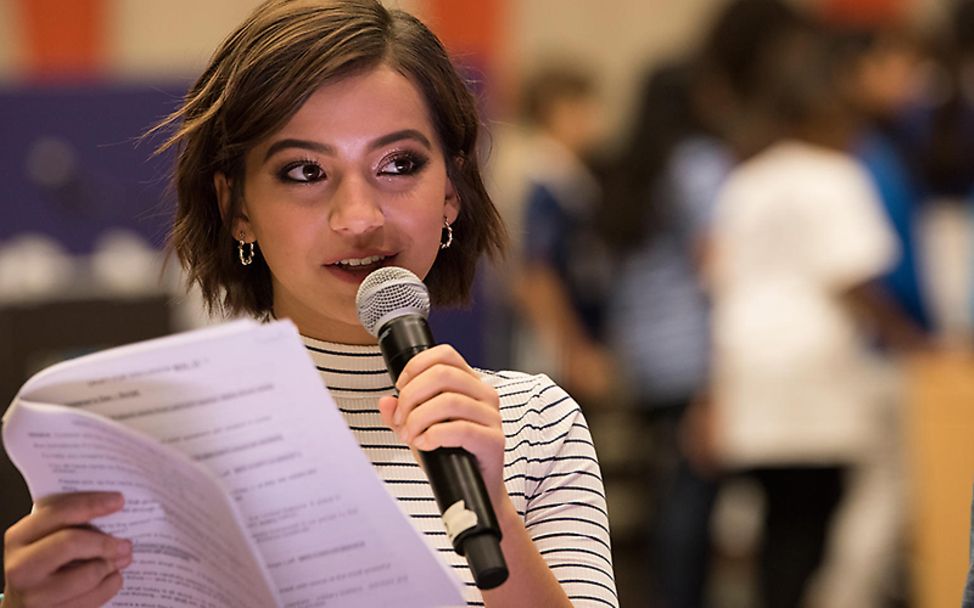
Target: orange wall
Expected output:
[63,38]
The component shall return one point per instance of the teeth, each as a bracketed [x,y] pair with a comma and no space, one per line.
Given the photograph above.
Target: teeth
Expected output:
[361,261]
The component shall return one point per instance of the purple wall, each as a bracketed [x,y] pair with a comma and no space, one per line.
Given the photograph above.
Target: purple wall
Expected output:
[71,165]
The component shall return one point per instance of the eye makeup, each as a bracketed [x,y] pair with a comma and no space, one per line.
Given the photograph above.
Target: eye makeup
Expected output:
[303,171]
[402,163]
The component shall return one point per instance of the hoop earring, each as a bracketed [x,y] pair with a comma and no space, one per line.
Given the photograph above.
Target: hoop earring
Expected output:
[245,251]
[446,237]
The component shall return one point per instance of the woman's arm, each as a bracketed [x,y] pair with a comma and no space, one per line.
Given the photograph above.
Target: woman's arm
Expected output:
[531,582]
[565,509]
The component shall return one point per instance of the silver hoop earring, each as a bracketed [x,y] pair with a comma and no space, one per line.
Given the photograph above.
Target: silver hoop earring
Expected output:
[446,237]
[245,251]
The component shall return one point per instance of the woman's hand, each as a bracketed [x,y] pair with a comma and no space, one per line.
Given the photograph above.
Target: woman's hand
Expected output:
[444,403]
[53,557]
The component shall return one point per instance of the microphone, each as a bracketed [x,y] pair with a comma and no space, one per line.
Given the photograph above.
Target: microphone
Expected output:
[393,305]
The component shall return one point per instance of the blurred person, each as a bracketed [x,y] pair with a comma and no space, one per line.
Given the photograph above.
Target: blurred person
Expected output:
[657,314]
[559,284]
[656,216]
[884,62]
[799,239]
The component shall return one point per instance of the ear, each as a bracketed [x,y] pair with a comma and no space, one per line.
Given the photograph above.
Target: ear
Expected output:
[451,203]
[239,224]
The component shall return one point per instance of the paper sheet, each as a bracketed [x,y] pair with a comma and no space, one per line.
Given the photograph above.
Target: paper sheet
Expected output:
[244,402]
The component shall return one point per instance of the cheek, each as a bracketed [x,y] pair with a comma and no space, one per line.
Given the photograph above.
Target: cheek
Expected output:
[277,217]
[284,237]
[426,209]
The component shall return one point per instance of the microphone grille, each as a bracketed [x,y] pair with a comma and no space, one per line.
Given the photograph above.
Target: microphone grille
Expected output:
[388,293]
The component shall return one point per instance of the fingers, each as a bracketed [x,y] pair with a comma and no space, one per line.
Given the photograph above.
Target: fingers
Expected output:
[444,403]
[99,596]
[440,381]
[387,409]
[52,556]
[60,511]
[443,354]
[477,439]
[87,583]
[64,547]
[437,378]
[443,408]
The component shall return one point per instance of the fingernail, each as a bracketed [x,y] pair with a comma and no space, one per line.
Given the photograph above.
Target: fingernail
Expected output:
[402,435]
[113,500]
[420,442]
[397,418]
[123,548]
[123,562]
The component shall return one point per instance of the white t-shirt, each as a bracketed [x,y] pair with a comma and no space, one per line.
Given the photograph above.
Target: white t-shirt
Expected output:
[795,227]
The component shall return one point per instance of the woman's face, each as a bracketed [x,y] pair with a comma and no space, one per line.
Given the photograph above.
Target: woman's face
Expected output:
[354,181]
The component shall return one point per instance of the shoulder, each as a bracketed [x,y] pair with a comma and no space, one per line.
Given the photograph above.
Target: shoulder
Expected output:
[815,162]
[530,398]
[806,173]
[519,389]
[537,413]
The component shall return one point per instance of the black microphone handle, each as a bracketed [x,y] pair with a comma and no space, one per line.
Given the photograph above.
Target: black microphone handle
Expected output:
[454,476]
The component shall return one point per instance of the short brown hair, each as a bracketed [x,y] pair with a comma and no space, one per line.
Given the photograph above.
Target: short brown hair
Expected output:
[257,79]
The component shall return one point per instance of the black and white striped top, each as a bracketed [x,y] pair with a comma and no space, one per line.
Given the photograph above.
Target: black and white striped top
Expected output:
[551,471]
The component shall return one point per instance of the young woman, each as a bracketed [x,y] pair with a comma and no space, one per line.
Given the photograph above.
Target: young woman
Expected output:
[324,140]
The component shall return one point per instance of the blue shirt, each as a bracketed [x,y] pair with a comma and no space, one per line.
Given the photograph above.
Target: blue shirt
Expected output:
[561,234]
[901,198]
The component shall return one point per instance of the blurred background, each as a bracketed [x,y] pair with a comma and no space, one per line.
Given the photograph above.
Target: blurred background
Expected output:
[742,237]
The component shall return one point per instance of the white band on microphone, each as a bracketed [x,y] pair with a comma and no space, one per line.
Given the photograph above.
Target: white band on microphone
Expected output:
[458,519]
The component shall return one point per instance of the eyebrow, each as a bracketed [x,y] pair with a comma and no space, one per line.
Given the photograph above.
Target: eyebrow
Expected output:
[321,148]
[302,144]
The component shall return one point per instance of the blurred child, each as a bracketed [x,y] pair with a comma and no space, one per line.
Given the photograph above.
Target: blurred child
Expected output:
[560,284]
[798,237]
[657,216]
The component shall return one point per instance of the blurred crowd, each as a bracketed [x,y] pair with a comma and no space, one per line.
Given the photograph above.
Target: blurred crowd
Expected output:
[745,269]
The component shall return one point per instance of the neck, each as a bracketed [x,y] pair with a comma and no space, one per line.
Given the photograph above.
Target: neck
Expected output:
[836,130]
[326,329]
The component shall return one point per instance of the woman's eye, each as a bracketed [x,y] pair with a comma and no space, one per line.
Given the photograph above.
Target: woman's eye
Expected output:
[402,165]
[303,172]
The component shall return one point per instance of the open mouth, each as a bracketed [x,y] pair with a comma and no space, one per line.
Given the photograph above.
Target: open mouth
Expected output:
[357,263]
[357,268]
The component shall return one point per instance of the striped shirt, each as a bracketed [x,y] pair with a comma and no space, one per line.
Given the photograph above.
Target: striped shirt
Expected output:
[550,469]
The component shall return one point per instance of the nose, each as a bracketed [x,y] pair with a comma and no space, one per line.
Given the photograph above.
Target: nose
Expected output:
[355,208]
